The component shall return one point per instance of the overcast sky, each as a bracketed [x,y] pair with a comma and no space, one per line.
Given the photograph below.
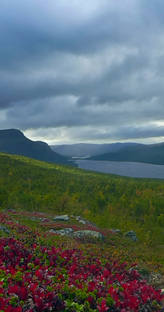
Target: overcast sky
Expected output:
[83,71]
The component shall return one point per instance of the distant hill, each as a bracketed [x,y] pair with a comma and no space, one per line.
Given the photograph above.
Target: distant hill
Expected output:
[152,154]
[86,149]
[13,141]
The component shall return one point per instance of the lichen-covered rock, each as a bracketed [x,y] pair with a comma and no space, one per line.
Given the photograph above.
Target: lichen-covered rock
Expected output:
[131,235]
[39,219]
[63,232]
[83,233]
[117,231]
[83,221]
[61,218]
[78,234]
[156,280]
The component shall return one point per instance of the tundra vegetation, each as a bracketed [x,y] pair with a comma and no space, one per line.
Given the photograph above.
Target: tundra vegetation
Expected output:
[43,271]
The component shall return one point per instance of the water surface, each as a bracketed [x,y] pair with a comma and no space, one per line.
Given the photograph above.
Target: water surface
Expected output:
[128,169]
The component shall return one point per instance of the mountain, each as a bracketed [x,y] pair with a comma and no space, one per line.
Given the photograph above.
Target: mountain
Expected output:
[86,149]
[13,141]
[152,154]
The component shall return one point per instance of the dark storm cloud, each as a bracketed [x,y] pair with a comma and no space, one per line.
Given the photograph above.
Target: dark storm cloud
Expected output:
[94,67]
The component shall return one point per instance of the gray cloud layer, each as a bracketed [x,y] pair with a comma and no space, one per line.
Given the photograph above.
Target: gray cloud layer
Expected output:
[74,71]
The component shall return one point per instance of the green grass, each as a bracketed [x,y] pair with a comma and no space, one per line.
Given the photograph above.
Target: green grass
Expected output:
[109,201]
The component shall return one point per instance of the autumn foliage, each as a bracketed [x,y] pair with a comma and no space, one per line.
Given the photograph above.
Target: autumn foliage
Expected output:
[37,277]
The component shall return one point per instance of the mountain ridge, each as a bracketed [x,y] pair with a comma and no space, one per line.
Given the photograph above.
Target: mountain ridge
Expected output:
[13,141]
[152,154]
[88,149]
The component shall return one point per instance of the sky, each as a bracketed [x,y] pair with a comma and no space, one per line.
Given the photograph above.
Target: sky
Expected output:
[76,71]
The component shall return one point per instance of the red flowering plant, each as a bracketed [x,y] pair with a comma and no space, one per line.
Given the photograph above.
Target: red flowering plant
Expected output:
[37,277]
[42,279]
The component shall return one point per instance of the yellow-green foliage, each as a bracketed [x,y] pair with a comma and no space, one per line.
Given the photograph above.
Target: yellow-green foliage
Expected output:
[111,201]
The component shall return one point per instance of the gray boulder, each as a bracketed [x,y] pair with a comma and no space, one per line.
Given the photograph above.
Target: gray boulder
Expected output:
[63,232]
[61,218]
[83,233]
[83,221]
[78,234]
[117,231]
[131,235]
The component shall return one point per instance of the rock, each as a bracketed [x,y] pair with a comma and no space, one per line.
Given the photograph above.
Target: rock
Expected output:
[131,235]
[30,305]
[95,234]
[156,280]
[63,232]
[80,220]
[39,219]
[116,231]
[4,229]
[61,218]
[78,234]
[83,221]
[51,231]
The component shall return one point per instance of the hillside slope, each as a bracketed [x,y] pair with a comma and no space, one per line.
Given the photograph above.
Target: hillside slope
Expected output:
[109,201]
[152,154]
[13,141]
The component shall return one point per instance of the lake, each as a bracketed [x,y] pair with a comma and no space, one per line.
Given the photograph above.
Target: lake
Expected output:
[128,169]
